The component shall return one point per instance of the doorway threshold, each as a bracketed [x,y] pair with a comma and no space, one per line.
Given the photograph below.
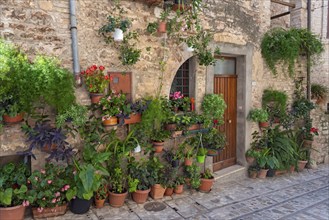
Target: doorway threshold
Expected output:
[231,173]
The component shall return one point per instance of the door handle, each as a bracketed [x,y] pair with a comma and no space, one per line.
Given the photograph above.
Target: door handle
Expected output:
[229,121]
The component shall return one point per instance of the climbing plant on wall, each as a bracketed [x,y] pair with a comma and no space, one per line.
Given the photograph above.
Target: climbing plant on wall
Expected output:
[280,46]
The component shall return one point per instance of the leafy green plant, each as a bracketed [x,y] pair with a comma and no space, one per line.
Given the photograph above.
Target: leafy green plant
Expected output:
[207,174]
[117,181]
[214,139]
[194,176]
[152,27]
[258,115]
[76,114]
[132,184]
[275,102]
[156,170]
[252,153]
[319,92]
[280,46]
[115,22]
[95,80]
[202,151]
[129,55]
[139,170]
[213,107]
[102,191]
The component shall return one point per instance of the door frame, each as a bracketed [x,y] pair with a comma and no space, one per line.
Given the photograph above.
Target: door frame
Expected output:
[243,55]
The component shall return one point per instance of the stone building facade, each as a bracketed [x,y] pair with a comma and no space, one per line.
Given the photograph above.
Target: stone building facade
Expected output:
[43,26]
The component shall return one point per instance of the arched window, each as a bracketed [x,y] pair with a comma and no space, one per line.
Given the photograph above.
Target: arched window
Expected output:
[184,80]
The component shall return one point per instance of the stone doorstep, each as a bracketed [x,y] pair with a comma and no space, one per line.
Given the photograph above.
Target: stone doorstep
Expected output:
[231,173]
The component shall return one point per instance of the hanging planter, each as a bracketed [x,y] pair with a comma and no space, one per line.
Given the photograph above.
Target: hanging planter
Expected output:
[201,158]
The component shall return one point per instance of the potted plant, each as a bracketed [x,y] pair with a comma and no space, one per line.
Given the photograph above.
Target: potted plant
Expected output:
[111,107]
[170,175]
[134,114]
[260,116]
[308,135]
[319,92]
[101,194]
[176,101]
[162,24]
[193,177]
[251,155]
[49,187]
[76,115]
[179,185]
[173,157]
[207,180]
[214,141]
[10,112]
[275,102]
[117,191]
[156,170]
[213,107]
[13,191]
[158,138]
[265,161]
[152,27]
[201,154]
[302,159]
[115,25]
[139,170]
[188,152]
[96,82]
[253,171]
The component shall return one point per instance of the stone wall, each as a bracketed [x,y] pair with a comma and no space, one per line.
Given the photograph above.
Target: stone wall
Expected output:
[42,26]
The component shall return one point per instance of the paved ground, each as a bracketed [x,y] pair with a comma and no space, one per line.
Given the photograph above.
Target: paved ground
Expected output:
[295,196]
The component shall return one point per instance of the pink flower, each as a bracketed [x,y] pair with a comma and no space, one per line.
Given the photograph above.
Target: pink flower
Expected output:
[26,203]
[66,187]
[36,178]
[42,171]
[62,189]
[59,199]
[40,209]
[28,181]
[43,198]
[49,181]
[53,201]
[57,194]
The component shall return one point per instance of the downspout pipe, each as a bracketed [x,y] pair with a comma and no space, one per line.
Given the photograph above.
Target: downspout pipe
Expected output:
[308,66]
[73,29]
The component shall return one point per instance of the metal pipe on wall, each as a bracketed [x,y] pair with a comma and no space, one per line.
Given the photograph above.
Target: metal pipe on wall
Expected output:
[308,71]
[73,29]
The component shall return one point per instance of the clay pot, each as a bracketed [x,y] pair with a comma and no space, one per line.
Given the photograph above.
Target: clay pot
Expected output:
[206,185]
[194,127]
[169,191]
[292,168]
[12,213]
[301,165]
[110,121]
[157,191]
[252,174]
[96,97]
[162,27]
[13,120]
[250,160]
[262,173]
[264,124]
[280,172]
[133,119]
[158,146]
[140,196]
[188,161]
[212,152]
[49,212]
[179,189]
[170,127]
[117,199]
[99,203]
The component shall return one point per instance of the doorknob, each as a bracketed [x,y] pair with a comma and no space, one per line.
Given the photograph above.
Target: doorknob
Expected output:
[229,121]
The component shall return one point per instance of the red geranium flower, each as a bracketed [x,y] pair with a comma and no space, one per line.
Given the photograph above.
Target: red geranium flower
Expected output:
[101,68]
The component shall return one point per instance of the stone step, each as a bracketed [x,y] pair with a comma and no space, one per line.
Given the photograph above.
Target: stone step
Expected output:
[232,173]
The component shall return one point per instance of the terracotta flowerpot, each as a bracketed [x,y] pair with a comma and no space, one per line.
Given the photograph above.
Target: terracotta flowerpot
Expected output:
[250,160]
[49,212]
[206,185]
[117,199]
[280,172]
[158,146]
[133,119]
[110,121]
[212,152]
[12,213]
[96,97]
[262,173]
[157,191]
[292,168]
[170,127]
[252,174]
[307,143]
[140,196]
[99,203]
[264,124]
[162,27]
[169,191]
[188,161]
[194,127]
[179,189]
[301,165]
[13,120]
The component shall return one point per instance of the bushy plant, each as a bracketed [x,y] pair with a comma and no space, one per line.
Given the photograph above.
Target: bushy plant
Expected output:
[213,107]
[258,115]
[207,174]
[95,80]
[194,176]
[139,170]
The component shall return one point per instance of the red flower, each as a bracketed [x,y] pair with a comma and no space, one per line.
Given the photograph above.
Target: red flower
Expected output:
[82,72]
[88,71]
[94,67]
[106,77]
[90,86]
[101,68]
[215,121]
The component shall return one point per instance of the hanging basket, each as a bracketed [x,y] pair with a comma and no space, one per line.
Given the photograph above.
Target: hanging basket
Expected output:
[201,159]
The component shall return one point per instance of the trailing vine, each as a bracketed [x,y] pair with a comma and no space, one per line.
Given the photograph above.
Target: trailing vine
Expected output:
[280,46]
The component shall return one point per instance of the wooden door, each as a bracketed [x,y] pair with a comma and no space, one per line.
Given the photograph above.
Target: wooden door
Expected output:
[227,85]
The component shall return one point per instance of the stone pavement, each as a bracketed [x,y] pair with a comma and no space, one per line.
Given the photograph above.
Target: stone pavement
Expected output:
[294,196]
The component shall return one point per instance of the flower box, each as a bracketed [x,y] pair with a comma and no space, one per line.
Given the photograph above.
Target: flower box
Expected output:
[49,212]
[133,118]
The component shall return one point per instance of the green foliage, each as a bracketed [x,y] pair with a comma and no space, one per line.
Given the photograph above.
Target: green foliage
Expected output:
[132,184]
[214,139]
[76,113]
[258,115]
[115,22]
[202,151]
[117,180]
[152,27]
[156,170]
[129,55]
[193,173]
[252,153]
[281,46]
[275,102]
[207,174]
[213,107]
[139,170]
[319,91]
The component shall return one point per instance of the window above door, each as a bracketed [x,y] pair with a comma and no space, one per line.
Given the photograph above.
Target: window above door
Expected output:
[225,66]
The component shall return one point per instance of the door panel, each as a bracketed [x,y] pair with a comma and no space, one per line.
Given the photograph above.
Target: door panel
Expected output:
[227,85]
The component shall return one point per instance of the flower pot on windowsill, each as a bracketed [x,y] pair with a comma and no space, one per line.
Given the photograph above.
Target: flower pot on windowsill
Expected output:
[49,212]
[95,97]
[15,212]
[13,119]
[158,146]
[110,121]
[133,118]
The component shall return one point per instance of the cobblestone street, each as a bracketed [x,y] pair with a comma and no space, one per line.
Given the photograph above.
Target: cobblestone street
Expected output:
[291,196]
